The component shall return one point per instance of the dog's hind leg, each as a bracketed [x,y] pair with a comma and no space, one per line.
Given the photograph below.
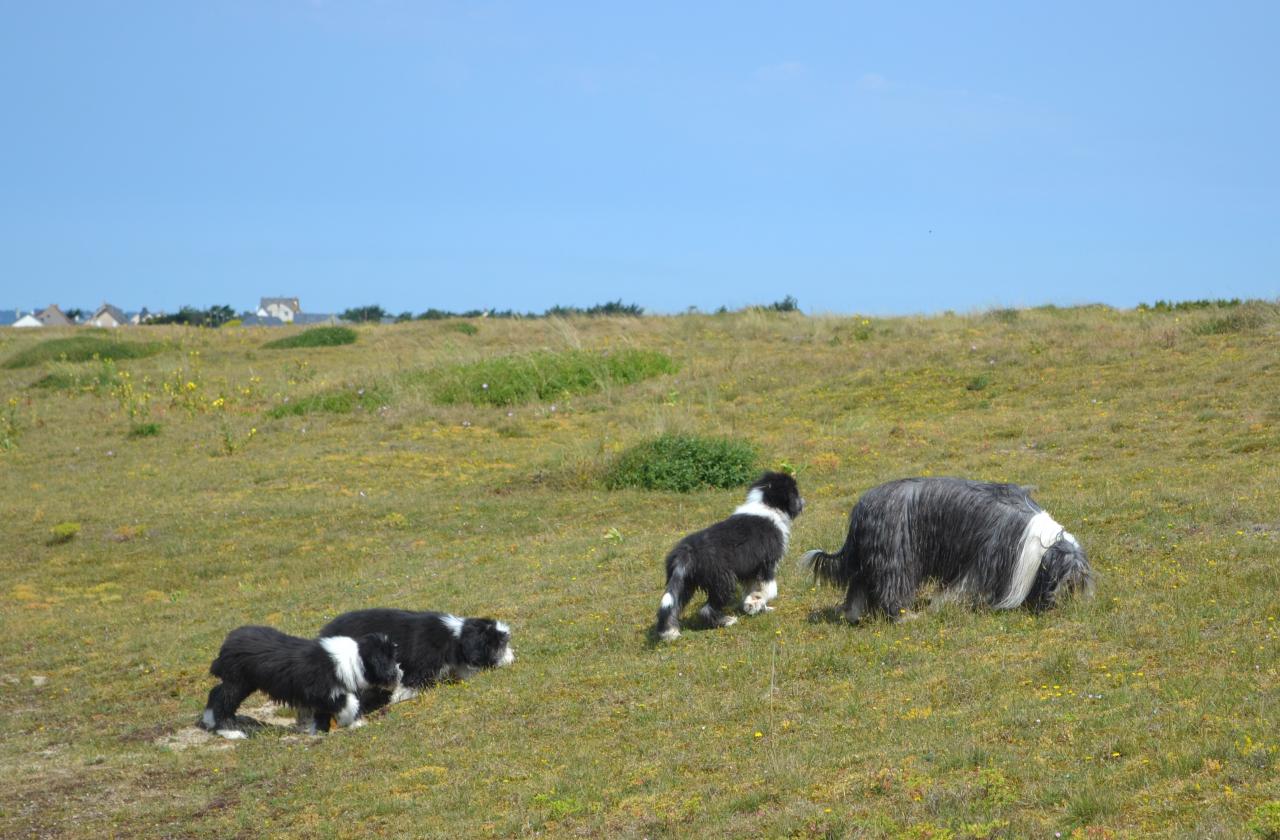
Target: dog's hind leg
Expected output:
[856,603]
[220,710]
[720,595]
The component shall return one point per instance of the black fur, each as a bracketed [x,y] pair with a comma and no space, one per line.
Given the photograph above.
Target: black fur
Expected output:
[966,535]
[745,548]
[428,648]
[298,672]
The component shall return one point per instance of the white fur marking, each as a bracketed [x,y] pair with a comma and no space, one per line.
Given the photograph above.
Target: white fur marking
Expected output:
[753,507]
[1040,533]
[207,718]
[347,666]
[453,623]
[232,734]
[770,590]
[502,627]
[508,656]
[667,601]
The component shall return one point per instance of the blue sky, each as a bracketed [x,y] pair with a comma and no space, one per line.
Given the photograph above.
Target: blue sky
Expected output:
[864,157]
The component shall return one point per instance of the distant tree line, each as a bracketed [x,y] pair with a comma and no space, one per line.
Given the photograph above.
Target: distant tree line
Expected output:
[375,314]
[214,316]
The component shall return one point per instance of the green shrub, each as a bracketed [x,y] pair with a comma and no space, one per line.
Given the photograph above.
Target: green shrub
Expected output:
[464,327]
[336,401]
[82,348]
[683,463]
[314,337]
[543,376]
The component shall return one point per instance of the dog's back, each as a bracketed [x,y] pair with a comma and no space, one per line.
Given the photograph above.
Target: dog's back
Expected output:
[423,639]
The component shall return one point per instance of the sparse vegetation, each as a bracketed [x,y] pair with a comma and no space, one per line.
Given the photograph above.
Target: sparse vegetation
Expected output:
[1145,712]
[683,463]
[314,337]
[82,348]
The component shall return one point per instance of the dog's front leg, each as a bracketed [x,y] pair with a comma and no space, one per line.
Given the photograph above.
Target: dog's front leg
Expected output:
[349,714]
[759,594]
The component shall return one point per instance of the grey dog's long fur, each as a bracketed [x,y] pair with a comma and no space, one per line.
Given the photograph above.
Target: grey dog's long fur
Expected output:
[967,535]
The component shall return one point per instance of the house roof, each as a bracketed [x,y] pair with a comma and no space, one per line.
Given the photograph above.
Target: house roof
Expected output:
[52,316]
[261,321]
[108,309]
[292,303]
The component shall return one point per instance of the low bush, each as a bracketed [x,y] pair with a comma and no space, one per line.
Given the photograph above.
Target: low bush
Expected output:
[509,380]
[314,337]
[82,348]
[336,401]
[682,463]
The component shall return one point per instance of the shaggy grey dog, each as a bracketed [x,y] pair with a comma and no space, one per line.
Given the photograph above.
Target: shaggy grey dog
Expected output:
[987,544]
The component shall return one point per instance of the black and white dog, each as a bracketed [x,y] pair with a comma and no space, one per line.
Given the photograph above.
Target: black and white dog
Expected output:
[318,677]
[431,647]
[987,544]
[745,548]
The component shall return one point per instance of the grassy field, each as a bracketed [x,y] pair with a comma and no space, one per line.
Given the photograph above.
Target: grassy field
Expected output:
[1150,711]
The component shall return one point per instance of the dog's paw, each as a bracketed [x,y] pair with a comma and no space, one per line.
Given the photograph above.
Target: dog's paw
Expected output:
[727,621]
[357,723]
[669,635]
[232,734]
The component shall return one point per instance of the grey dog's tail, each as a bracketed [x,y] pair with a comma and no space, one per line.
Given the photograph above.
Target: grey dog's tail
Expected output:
[679,591]
[836,569]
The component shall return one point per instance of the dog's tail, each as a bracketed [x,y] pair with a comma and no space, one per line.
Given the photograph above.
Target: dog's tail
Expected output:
[679,591]
[836,569]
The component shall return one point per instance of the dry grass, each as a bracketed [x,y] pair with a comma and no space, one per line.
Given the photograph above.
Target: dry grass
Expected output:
[1149,711]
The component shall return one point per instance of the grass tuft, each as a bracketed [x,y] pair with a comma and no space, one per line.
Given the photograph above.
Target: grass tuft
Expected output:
[543,375]
[314,337]
[464,327]
[683,463]
[63,532]
[82,348]
[142,430]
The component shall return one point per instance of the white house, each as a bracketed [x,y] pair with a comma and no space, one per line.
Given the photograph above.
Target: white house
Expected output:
[28,321]
[283,308]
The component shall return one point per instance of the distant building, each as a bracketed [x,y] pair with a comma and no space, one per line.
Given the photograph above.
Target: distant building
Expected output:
[284,309]
[28,321]
[143,317]
[261,321]
[313,318]
[52,316]
[107,316]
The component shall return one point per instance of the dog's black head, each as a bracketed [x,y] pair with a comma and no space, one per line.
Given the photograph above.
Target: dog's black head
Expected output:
[1064,570]
[780,492]
[485,643]
[378,657]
